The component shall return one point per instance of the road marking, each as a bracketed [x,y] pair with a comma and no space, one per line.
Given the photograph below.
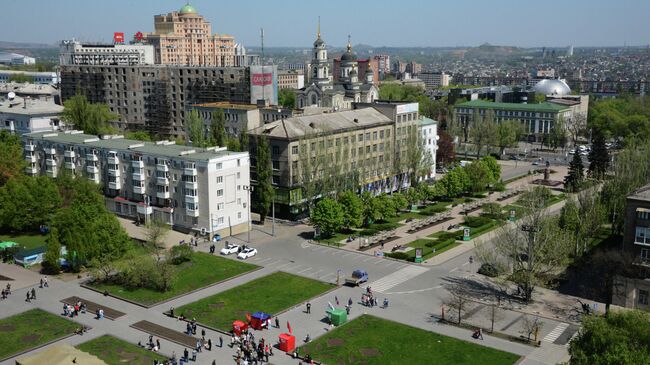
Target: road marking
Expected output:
[415,291]
[368,259]
[452,270]
[557,332]
[328,275]
[265,260]
[275,262]
[301,271]
[390,263]
[315,272]
[348,254]
[284,265]
[467,263]
[398,277]
[256,258]
[379,262]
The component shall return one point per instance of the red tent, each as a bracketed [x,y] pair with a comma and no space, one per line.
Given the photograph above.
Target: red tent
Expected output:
[239,326]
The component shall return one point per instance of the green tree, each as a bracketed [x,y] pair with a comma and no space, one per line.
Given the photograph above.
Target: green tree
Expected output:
[598,157]
[233,144]
[507,135]
[156,231]
[418,158]
[88,117]
[454,183]
[140,136]
[21,78]
[575,175]
[264,175]
[399,200]
[329,216]
[12,161]
[287,98]
[483,132]
[493,166]
[27,203]
[479,176]
[621,338]
[51,264]
[387,208]
[352,209]
[558,135]
[196,129]
[243,139]
[370,208]
[218,127]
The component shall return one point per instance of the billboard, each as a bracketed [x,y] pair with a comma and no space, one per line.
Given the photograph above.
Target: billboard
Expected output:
[264,84]
[118,38]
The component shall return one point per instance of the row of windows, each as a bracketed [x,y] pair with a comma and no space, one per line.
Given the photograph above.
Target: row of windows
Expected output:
[642,236]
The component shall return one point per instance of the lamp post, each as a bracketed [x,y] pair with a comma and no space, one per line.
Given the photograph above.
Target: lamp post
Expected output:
[249,188]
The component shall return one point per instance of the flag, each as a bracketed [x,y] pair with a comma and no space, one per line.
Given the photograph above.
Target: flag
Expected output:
[248,317]
[331,306]
[289,327]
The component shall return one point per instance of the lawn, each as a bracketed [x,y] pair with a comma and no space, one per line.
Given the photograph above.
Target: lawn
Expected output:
[271,294]
[440,242]
[203,270]
[370,340]
[115,351]
[31,329]
[25,241]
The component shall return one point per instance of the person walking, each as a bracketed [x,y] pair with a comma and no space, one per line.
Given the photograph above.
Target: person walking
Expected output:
[209,344]
[277,322]
[41,286]
[33,293]
[158,343]
[186,355]
[45,282]
[29,298]
[194,355]
[350,301]
[308,307]
[220,341]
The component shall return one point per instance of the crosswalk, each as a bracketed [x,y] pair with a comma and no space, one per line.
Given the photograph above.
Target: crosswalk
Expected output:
[396,278]
[557,332]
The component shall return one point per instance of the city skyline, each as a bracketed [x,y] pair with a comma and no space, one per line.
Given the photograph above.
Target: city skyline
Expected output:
[292,24]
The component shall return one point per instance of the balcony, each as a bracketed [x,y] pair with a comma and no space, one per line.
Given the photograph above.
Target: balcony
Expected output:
[116,185]
[92,157]
[30,147]
[94,178]
[137,164]
[30,158]
[31,170]
[192,212]
[139,189]
[92,170]
[163,195]
[162,181]
[162,167]
[189,171]
[69,165]
[50,162]
[191,185]
[191,199]
[52,172]
[138,176]
[49,151]
[144,209]
[112,172]
[68,153]
[113,160]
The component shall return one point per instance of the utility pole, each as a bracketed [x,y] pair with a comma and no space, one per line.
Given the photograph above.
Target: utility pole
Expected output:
[273,216]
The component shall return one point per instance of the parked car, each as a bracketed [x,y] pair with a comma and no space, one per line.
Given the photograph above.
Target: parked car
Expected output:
[246,253]
[230,248]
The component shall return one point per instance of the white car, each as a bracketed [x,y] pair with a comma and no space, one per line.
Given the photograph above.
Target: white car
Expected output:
[246,253]
[230,248]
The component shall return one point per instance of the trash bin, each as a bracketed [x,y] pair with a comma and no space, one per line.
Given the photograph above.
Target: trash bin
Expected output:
[337,316]
[287,342]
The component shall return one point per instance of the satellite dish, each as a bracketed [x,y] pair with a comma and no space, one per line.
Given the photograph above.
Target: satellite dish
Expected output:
[11,95]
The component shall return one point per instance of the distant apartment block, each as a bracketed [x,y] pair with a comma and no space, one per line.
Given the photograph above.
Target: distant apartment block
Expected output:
[240,116]
[191,189]
[75,53]
[291,79]
[16,59]
[22,115]
[434,80]
[40,78]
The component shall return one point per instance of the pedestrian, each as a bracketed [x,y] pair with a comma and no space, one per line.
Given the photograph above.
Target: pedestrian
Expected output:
[33,293]
[308,307]
[350,301]
[277,322]
[337,300]
[209,344]
[150,343]
[385,303]
[198,345]
[347,309]
[186,354]
[171,312]
[101,313]
[194,355]
[41,283]
[45,282]
[28,299]
[158,343]
[220,341]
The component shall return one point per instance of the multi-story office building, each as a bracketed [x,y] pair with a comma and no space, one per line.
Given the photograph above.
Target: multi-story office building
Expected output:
[364,148]
[75,53]
[383,64]
[429,134]
[20,115]
[155,97]
[185,38]
[537,120]
[240,116]
[634,292]
[413,68]
[291,79]
[434,80]
[192,189]
[40,78]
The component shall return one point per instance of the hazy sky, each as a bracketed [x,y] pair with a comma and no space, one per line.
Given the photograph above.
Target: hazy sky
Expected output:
[524,23]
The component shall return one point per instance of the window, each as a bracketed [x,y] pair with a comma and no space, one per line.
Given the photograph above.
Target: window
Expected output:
[239,175]
[643,297]
[294,150]
[330,143]
[219,179]
[368,136]
[374,136]
[642,236]
[276,180]
[360,138]
[219,220]
[338,141]
[220,206]
[276,165]
[645,215]
[275,150]
[220,192]
[238,215]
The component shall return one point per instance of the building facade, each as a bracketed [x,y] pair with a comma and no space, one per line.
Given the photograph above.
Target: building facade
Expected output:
[291,79]
[537,120]
[72,52]
[16,59]
[634,292]
[429,135]
[185,38]
[155,97]
[39,78]
[20,115]
[191,189]
[361,150]
[434,80]
[240,116]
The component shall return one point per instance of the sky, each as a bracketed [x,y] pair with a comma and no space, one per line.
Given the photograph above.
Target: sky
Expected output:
[436,23]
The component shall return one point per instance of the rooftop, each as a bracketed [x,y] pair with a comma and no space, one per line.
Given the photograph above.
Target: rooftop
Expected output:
[427,121]
[564,102]
[541,107]
[326,123]
[227,105]
[643,193]
[24,106]
[119,143]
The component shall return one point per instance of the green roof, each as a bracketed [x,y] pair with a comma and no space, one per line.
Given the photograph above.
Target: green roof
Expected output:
[541,107]
[427,121]
[188,9]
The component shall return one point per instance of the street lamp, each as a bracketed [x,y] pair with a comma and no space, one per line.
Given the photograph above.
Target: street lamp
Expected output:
[249,188]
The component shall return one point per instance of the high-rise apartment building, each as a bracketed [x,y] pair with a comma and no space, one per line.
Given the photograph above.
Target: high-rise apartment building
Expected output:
[72,52]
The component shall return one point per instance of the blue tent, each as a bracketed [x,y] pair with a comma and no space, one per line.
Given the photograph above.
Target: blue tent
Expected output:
[261,316]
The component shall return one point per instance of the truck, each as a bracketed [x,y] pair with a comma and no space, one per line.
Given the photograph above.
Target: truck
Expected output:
[358,277]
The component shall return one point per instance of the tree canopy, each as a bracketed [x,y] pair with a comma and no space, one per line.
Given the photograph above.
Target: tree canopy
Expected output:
[328,215]
[12,162]
[27,203]
[287,98]
[92,118]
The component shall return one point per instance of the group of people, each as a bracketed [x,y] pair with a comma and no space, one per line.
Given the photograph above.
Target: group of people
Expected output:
[151,344]
[248,351]
[6,292]
[73,310]
[369,300]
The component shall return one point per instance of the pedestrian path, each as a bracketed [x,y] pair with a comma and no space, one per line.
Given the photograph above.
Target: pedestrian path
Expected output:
[396,278]
[557,332]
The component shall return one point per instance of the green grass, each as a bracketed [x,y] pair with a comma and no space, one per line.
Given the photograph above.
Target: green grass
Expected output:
[271,294]
[430,248]
[370,340]
[25,241]
[115,351]
[31,329]
[203,270]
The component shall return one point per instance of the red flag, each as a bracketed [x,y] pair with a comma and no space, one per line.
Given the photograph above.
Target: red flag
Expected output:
[289,328]
[248,317]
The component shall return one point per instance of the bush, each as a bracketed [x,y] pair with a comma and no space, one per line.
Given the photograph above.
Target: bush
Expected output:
[488,270]
[433,209]
[449,235]
[399,256]
[500,186]
[180,254]
[493,210]
[475,222]
[468,200]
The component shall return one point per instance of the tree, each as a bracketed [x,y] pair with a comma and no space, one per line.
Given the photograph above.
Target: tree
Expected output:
[51,263]
[479,176]
[196,130]
[232,144]
[21,78]
[12,161]
[371,208]
[26,203]
[140,136]
[457,300]
[287,98]
[620,338]
[328,215]
[577,127]
[243,139]
[531,326]
[399,200]
[446,154]
[575,176]
[218,128]
[508,133]
[598,156]
[453,183]
[493,166]
[352,209]
[155,232]
[88,117]
[386,207]
[558,135]
[483,132]
[264,174]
